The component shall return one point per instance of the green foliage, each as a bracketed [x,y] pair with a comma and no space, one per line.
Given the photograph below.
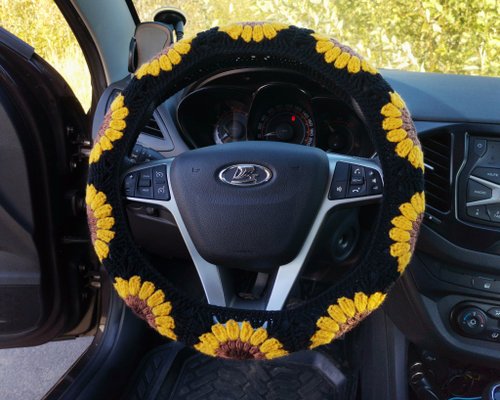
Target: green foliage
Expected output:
[452,36]
[41,24]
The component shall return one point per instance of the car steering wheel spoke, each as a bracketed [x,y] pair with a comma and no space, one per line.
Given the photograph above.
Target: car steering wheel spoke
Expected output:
[213,278]
[347,175]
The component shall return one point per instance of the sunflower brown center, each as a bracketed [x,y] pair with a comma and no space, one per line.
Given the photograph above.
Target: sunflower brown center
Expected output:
[238,350]
[92,222]
[141,309]
[414,233]
[104,126]
[408,125]
[345,49]
[352,322]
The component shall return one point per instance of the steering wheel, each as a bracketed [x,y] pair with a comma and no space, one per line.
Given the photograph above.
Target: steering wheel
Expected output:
[232,201]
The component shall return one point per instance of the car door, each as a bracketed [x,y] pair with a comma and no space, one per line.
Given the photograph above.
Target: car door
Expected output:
[47,284]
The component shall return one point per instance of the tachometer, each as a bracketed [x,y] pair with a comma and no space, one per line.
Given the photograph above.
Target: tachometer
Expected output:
[231,127]
[287,123]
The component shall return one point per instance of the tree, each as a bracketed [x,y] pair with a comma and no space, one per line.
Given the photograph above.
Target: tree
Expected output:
[452,36]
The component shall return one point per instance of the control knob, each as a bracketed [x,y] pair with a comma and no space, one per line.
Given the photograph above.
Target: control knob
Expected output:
[471,320]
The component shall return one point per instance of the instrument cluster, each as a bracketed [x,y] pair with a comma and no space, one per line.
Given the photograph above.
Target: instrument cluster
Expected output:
[275,111]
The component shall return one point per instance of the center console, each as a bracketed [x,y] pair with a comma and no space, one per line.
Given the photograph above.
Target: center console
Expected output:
[448,302]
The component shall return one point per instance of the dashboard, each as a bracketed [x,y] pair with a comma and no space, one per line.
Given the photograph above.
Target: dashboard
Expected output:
[271,106]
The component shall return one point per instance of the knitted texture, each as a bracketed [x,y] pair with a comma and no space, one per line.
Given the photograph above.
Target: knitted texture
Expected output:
[253,334]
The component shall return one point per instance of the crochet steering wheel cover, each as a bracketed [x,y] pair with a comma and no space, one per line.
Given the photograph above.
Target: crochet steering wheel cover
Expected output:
[255,334]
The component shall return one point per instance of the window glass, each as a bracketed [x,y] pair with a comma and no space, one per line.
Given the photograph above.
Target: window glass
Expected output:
[452,36]
[40,24]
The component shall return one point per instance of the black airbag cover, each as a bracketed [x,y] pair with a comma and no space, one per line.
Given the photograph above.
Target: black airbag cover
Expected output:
[251,227]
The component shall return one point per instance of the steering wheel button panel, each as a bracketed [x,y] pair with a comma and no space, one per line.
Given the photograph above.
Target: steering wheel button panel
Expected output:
[146,174]
[357,180]
[354,180]
[341,172]
[476,191]
[161,191]
[145,192]
[129,184]
[140,184]
[357,175]
[339,185]
[373,182]
[356,190]
[145,183]
[375,189]
[160,185]
[338,190]
[357,171]
[159,174]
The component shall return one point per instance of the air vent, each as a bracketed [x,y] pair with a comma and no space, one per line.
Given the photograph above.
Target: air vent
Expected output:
[437,158]
[152,128]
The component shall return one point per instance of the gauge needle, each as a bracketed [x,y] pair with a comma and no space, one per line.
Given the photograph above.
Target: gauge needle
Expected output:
[276,133]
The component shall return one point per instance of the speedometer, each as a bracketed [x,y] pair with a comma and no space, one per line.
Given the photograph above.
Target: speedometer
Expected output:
[287,123]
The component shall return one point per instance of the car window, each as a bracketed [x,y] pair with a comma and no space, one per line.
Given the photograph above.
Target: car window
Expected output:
[451,36]
[40,24]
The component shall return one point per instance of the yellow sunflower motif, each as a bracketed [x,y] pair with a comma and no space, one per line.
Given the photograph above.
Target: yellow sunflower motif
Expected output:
[111,129]
[341,56]
[147,303]
[400,130]
[100,221]
[405,230]
[166,59]
[239,342]
[344,316]
[253,31]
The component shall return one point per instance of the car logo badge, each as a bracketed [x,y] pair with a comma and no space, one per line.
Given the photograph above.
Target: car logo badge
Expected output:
[245,175]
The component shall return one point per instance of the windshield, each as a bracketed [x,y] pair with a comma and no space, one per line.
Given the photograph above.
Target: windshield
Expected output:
[450,36]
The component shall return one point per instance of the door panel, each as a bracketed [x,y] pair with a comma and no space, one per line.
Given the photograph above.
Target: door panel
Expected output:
[19,261]
[44,248]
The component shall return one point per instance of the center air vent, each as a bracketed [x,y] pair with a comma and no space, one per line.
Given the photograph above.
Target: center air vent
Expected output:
[152,128]
[437,158]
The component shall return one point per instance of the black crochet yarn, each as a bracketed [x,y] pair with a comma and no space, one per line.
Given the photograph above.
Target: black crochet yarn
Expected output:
[294,49]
